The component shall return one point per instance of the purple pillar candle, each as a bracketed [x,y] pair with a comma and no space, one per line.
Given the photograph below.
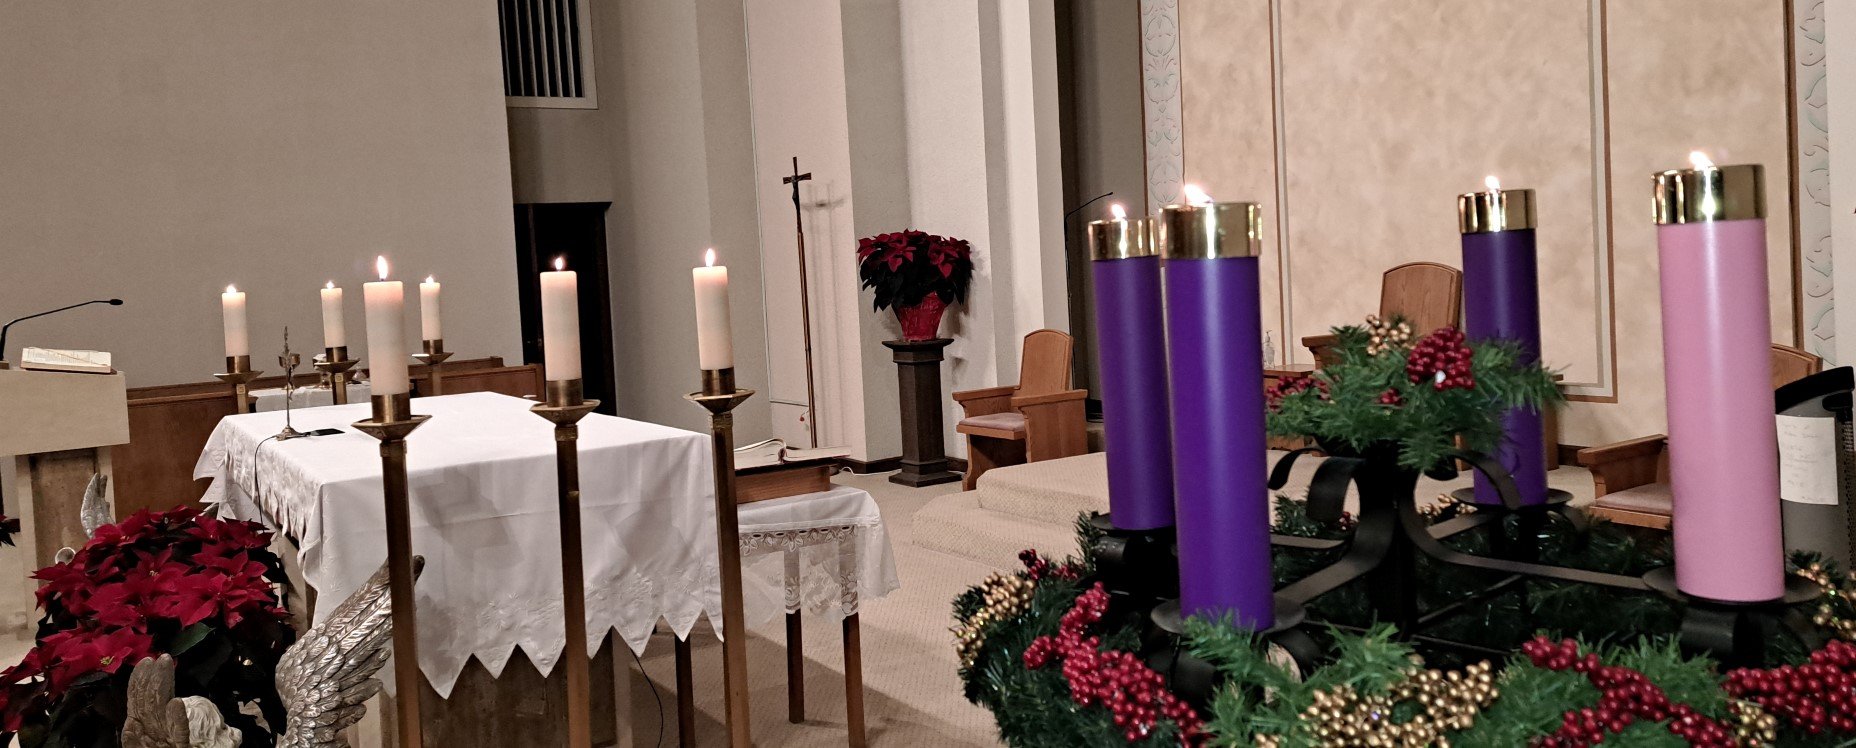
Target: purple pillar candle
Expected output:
[1132,349]
[1723,441]
[1214,330]
[1501,294]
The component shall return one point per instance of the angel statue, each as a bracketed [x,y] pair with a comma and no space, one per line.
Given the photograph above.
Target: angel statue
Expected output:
[324,679]
[95,512]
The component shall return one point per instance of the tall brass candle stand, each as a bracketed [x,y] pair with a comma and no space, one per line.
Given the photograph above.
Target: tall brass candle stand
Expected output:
[392,421]
[720,396]
[565,406]
[239,374]
[433,357]
[336,366]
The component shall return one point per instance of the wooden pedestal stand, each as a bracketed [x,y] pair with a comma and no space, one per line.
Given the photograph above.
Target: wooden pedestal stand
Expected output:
[918,380]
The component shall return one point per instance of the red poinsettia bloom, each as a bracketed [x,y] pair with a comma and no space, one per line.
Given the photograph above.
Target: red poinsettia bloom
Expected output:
[193,598]
[80,652]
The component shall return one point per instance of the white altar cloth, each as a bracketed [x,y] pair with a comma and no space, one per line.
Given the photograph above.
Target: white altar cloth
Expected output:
[484,516]
[823,553]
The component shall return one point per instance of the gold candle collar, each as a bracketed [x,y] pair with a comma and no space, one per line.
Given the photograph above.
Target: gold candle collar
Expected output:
[1495,210]
[1209,231]
[1710,193]
[1121,238]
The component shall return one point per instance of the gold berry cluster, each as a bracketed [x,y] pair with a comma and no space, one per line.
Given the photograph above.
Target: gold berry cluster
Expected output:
[1753,726]
[1005,596]
[1839,595]
[1386,335]
[1447,701]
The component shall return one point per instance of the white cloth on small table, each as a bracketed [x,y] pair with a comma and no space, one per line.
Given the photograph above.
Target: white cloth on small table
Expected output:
[266,400]
[485,517]
[824,552]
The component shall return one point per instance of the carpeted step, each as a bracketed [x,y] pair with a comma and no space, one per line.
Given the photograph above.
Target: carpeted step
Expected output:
[1050,492]
[957,525]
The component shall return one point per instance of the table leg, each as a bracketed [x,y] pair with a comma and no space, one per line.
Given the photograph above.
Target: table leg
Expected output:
[854,681]
[686,697]
[795,649]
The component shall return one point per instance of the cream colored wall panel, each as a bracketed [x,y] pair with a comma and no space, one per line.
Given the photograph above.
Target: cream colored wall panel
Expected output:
[1391,109]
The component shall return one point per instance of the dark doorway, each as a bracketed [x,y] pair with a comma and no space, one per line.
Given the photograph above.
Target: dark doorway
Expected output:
[576,232]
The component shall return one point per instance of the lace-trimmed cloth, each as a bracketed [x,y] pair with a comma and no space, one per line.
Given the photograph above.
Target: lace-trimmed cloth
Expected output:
[824,553]
[484,516]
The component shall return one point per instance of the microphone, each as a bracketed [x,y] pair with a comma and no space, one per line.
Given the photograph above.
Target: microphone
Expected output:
[9,325]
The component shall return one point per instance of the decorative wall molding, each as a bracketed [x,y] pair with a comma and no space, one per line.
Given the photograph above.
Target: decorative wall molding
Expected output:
[1810,181]
[1160,102]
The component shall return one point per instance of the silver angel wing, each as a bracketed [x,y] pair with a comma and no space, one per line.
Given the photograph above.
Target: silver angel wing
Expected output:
[96,509]
[326,678]
[158,720]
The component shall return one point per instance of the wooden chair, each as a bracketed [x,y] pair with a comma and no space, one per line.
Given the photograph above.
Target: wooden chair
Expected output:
[1631,478]
[1427,294]
[1040,418]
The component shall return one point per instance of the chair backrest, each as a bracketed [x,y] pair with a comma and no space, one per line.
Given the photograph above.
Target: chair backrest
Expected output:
[1045,367]
[1427,294]
[1791,364]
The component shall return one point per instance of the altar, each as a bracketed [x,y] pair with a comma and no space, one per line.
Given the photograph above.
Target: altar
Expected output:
[482,491]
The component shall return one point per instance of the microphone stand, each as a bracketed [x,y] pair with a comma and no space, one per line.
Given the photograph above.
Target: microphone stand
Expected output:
[9,325]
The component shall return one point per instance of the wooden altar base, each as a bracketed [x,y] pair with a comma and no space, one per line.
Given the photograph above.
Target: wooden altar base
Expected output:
[520,708]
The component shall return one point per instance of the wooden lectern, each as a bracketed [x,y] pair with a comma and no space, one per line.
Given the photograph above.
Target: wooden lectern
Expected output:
[59,427]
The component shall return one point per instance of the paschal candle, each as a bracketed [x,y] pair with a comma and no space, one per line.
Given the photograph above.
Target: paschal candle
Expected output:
[1214,329]
[1723,442]
[1501,294]
[1131,331]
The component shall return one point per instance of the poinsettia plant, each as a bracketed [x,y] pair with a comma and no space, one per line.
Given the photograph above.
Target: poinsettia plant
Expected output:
[201,589]
[906,266]
[1386,388]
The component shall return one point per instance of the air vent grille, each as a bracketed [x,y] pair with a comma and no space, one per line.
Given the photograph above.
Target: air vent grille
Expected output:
[545,44]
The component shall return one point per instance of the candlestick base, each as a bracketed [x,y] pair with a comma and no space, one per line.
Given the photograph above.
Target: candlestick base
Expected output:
[335,366]
[1736,632]
[720,398]
[1137,567]
[392,421]
[239,374]
[434,358]
[1195,680]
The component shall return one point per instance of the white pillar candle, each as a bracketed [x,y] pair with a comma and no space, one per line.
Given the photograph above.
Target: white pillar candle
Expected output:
[386,349]
[560,323]
[334,332]
[232,305]
[429,324]
[715,348]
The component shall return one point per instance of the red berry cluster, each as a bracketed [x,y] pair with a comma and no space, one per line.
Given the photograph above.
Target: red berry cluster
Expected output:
[1293,385]
[1391,397]
[1133,692]
[1038,567]
[1442,359]
[1627,696]
[1811,697]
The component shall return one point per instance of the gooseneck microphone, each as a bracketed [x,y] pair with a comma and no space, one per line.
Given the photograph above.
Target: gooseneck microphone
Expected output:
[9,325]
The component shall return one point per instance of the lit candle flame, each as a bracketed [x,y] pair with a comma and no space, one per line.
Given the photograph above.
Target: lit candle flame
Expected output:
[1700,160]
[1196,196]
[331,285]
[230,289]
[560,262]
[708,258]
[1494,185]
[428,279]
[1120,213]
[380,266]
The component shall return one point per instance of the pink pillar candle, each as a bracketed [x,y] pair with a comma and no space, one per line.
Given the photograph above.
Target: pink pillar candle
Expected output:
[1723,442]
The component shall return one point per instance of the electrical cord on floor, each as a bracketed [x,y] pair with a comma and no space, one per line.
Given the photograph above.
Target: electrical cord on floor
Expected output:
[654,695]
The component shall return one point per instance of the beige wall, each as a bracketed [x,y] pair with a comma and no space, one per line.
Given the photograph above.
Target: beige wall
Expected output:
[1368,117]
[157,152]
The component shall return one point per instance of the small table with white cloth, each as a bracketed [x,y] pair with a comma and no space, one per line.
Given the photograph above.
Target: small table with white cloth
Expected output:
[825,553]
[485,517]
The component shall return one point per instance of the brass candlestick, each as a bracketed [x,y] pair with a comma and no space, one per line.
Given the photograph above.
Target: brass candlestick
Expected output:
[239,374]
[336,367]
[565,406]
[720,397]
[435,355]
[392,421]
